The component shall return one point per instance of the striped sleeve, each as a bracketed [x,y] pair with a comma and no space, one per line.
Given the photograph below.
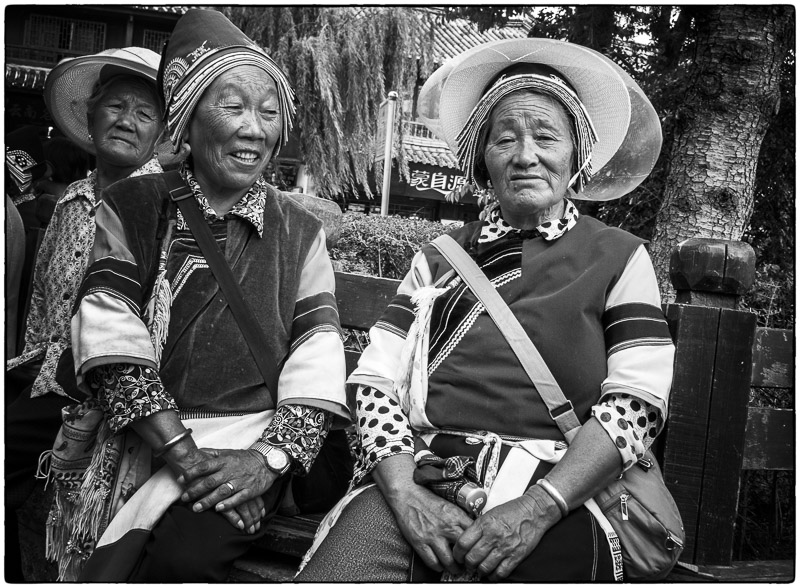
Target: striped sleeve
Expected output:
[633,324]
[640,352]
[379,362]
[314,371]
[398,316]
[110,294]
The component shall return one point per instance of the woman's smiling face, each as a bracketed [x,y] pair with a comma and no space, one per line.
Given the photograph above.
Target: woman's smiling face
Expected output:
[233,132]
[529,156]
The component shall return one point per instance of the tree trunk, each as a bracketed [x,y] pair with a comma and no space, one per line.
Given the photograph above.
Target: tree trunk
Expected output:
[733,95]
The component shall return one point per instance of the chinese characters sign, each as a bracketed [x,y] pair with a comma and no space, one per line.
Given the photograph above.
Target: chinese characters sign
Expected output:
[440,181]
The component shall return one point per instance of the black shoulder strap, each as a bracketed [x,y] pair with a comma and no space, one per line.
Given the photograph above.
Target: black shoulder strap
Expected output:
[181,194]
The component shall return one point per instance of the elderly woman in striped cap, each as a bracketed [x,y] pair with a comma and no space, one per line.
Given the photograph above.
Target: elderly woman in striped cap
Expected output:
[536,123]
[199,427]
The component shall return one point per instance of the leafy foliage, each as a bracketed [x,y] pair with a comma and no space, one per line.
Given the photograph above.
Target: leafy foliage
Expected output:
[342,61]
[772,226]
[382,245]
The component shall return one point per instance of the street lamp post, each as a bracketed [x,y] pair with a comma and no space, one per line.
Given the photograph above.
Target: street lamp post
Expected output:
[387,153]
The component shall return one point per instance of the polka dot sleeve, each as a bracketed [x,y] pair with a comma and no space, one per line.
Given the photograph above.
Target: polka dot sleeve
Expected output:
[383,430]
[631,423]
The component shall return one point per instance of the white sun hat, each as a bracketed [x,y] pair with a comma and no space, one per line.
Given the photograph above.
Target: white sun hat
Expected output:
[628,129]
[70,83]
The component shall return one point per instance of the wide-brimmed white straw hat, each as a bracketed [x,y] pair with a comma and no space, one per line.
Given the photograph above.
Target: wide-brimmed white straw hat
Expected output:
[627,126]
[70,83]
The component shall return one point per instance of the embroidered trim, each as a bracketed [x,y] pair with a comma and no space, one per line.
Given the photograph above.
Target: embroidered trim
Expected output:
[300,431]
[128,392]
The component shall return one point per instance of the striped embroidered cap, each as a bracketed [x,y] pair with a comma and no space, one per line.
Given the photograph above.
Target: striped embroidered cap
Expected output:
[203,45]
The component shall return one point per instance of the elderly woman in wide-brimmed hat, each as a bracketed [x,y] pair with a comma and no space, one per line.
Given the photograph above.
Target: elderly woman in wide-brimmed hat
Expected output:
[107,104]
[537,123]
[174,383]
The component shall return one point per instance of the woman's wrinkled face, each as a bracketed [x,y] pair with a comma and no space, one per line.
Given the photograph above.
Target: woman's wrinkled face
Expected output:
[126,125]
[234,130]
[529,154]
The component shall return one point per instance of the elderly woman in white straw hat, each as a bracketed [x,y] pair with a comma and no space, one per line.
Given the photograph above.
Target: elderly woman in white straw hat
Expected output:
[203,415]
[538,123]
[108,105]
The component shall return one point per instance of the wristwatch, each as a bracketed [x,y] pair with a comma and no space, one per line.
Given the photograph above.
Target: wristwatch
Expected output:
[277,460]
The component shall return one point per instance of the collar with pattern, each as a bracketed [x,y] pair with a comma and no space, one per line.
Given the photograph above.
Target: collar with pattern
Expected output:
[495,227]
[250,207]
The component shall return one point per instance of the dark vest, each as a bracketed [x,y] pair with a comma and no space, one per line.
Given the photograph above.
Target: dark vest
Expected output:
[559,299]
[206,363]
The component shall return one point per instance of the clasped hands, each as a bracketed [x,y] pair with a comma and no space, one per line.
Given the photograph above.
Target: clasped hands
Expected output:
[446,538]
[231,481]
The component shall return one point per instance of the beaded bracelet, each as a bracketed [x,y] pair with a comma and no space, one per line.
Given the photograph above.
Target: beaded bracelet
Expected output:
[555,495]
[172,442]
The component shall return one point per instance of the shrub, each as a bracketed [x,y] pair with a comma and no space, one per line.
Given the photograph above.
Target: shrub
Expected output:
[381,246]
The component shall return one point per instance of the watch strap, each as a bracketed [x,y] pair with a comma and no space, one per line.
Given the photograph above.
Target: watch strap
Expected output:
[265,449]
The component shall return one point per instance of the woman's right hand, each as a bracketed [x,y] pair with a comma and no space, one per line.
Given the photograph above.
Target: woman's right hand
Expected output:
[428,522]
[431,525]
[246,515]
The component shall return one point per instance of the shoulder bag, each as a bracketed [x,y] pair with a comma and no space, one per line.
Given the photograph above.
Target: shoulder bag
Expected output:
[638,504]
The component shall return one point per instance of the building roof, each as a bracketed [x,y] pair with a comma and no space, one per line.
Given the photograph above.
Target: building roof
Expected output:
[421,146]
[456,36]
[438,155]
[27,77]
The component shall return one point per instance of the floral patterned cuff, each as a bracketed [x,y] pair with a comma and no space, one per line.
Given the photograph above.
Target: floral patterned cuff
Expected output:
[300,431]
[631,423]
[383,430]
[128,392]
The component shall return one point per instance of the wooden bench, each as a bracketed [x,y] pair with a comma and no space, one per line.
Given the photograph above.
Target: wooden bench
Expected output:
[711,436]
[712,433]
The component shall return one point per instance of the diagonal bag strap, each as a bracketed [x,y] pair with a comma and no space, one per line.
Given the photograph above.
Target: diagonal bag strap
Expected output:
[561,409]
[181,194]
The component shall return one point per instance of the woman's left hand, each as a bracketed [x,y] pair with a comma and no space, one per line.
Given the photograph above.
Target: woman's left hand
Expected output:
[500,539]
[230,479]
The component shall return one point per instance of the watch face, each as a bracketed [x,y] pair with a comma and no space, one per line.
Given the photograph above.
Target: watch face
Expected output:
[277,460]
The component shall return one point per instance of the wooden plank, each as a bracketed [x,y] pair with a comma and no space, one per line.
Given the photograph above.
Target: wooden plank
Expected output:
[773,358]
[256,566]
[290,535]
[725,440]
[769,439]
[781,570]
[694,330]
[362,299]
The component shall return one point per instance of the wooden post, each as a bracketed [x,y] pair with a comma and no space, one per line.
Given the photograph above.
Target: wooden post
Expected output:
[711,272]
[708,407]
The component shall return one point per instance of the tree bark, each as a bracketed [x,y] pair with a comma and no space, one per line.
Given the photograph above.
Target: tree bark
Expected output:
[733,95]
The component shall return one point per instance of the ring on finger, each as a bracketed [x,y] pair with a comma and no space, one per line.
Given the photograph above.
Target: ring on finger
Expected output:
[229,485]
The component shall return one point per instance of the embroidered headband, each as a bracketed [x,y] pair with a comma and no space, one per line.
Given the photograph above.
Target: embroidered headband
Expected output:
[586,136]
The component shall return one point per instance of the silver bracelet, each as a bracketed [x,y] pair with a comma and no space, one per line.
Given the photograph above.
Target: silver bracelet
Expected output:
[555,495]
[172,443]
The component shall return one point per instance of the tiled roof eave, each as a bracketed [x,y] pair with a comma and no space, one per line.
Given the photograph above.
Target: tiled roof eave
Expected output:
[429,153]
[27,77]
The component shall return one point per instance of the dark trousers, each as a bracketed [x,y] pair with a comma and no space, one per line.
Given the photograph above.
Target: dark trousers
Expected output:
[365,545]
